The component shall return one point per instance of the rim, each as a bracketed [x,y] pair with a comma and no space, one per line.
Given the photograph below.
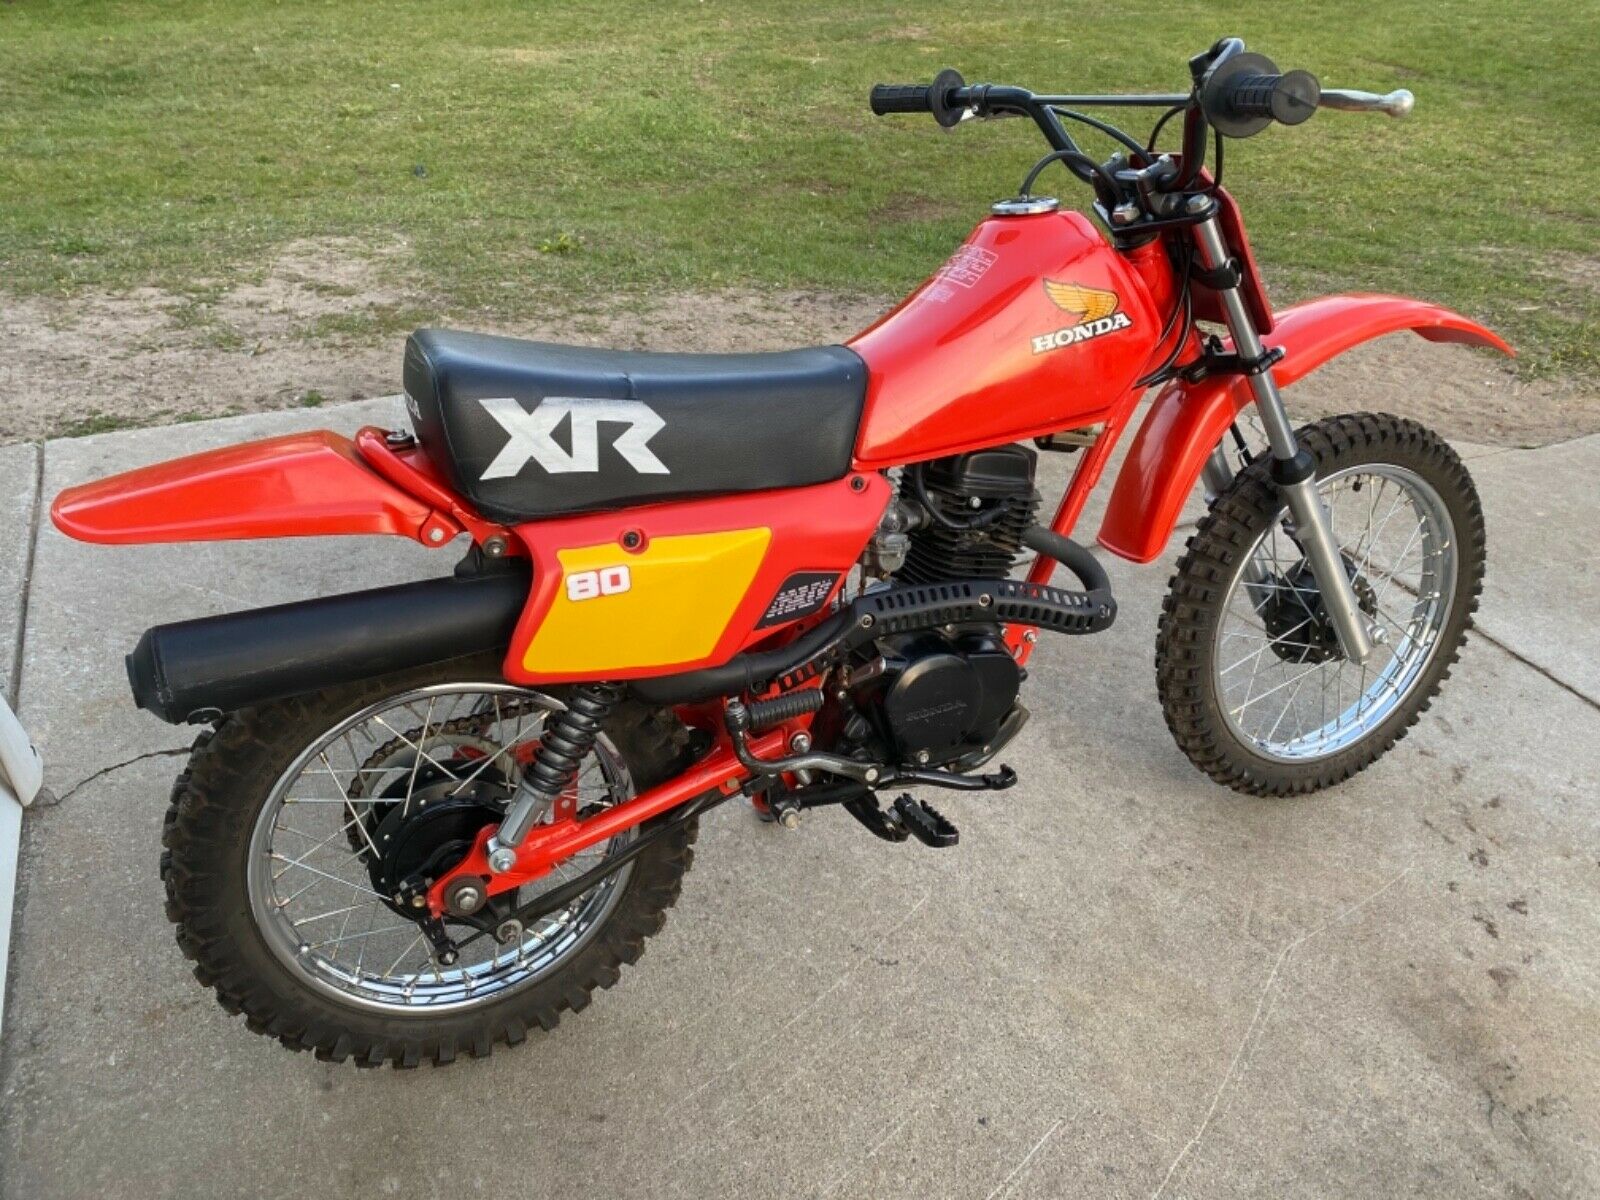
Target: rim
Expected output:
[312,896]
[1282,693]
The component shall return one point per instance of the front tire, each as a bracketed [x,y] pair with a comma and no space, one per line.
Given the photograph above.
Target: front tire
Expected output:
[213,868]
[1252,683]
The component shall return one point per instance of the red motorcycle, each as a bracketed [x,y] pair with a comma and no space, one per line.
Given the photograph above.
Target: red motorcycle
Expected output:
[422,819]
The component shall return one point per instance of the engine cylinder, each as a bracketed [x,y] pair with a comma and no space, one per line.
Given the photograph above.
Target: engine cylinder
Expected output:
[981,502]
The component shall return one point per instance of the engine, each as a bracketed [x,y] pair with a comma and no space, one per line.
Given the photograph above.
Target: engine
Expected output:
[946,697]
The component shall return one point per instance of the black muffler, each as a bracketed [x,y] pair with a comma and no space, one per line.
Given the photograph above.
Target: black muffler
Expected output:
[195,671]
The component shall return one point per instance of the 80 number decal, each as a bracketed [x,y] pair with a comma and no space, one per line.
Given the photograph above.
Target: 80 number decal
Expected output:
[607,581]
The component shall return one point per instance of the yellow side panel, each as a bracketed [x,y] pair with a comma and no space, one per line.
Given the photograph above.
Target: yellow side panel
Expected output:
[680,594]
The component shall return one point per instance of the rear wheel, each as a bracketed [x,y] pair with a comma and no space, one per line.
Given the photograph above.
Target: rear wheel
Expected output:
[1253,683]
[294,824]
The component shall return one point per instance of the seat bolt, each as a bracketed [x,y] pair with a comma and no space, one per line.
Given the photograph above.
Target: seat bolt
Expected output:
[495,547]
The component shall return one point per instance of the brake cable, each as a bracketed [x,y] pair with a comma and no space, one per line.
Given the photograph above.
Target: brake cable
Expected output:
[1064,156]
[1185,304]
[1111,131]
[1161,124]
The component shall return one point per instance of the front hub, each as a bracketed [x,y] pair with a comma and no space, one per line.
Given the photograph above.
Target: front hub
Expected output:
[1297,620]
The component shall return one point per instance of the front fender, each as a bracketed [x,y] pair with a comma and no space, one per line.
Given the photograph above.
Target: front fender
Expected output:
[302,485]
[1187,420]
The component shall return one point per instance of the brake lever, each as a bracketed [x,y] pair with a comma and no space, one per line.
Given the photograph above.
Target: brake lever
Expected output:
[1397,103]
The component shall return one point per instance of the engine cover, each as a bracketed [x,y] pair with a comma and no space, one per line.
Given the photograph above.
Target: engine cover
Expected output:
[939,696]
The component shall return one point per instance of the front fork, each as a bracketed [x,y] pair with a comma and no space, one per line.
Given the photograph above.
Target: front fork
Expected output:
[1293,469]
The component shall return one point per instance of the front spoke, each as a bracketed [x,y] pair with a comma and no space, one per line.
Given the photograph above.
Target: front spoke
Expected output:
[1284,685]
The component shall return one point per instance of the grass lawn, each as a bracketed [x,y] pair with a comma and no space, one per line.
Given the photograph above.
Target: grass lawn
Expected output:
[533,154]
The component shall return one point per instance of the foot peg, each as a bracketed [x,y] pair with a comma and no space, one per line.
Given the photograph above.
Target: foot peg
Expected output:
[906,818]
[925,823]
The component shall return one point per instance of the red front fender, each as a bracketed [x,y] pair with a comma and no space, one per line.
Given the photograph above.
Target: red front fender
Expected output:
[302,485]
[1187,420]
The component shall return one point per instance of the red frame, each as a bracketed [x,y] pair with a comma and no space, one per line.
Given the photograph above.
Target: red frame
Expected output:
[955,367]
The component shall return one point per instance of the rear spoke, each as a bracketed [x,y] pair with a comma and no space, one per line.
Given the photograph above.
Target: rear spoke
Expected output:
[368,786]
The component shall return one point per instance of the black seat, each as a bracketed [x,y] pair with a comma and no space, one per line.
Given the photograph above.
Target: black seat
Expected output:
[530,429]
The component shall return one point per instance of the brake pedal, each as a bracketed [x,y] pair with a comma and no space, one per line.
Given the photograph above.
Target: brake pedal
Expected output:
[925,823]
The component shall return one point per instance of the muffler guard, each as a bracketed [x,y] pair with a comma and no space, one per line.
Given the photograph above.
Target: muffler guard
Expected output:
[196,671]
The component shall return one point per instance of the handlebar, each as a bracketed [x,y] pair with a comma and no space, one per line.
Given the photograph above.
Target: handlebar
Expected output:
[1240,93]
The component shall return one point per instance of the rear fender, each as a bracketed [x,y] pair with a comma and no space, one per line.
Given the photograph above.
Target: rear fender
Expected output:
[1187,420]
[301,485]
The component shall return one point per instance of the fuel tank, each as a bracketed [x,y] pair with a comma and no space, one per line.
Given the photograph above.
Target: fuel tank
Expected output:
[1035,324]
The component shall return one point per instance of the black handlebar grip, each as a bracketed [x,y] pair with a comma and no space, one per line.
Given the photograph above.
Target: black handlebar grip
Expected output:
[938,97]
[901,98]
[1287,99]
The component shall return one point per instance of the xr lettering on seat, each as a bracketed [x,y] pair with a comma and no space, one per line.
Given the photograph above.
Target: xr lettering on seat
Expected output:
[532,435]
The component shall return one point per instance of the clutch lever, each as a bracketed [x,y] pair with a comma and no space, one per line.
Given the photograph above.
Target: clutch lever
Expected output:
[1397,103]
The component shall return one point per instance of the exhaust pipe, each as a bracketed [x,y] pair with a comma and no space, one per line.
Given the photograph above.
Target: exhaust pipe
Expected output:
[195,671]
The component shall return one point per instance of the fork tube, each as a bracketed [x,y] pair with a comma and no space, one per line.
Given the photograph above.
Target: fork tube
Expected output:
[1292,469]
[1217,475]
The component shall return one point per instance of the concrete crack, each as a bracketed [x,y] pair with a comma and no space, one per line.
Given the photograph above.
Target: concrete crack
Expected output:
[47,799]
[1256,1019]
[15,682]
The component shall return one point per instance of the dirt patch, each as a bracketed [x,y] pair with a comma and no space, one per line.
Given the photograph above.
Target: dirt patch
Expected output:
[1472,395]
[914,206]
[1581,271]
[148,357]
[300,333]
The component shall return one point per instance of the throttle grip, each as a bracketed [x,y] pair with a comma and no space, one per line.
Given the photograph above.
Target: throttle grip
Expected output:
[1245,94]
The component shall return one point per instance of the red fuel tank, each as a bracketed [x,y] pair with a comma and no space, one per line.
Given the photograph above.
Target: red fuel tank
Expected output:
[1034,325]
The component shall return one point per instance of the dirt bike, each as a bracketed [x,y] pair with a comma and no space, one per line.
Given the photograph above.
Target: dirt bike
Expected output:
[424,819]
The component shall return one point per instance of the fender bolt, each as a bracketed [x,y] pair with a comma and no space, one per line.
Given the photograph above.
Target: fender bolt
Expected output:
[632,539]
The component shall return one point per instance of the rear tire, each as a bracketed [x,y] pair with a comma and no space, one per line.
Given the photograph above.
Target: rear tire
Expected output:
[214,812]
[1207,587]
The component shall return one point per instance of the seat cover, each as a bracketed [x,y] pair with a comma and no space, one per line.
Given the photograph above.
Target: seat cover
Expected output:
[529,429]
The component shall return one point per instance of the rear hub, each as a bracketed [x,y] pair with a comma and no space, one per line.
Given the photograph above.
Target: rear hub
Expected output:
[416,840]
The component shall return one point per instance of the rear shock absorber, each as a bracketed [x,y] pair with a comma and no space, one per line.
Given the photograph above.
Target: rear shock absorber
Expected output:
[567,740]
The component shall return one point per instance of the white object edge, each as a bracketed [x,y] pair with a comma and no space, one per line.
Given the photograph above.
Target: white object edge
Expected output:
[21,774]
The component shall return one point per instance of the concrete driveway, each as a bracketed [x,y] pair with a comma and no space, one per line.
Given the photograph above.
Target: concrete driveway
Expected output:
[1124,982]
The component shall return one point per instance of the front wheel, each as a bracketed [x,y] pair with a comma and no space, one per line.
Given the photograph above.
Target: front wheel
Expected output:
[1253,683]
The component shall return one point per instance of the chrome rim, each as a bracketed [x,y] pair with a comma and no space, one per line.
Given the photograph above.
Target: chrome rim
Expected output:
[311,893]
[1280,696]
